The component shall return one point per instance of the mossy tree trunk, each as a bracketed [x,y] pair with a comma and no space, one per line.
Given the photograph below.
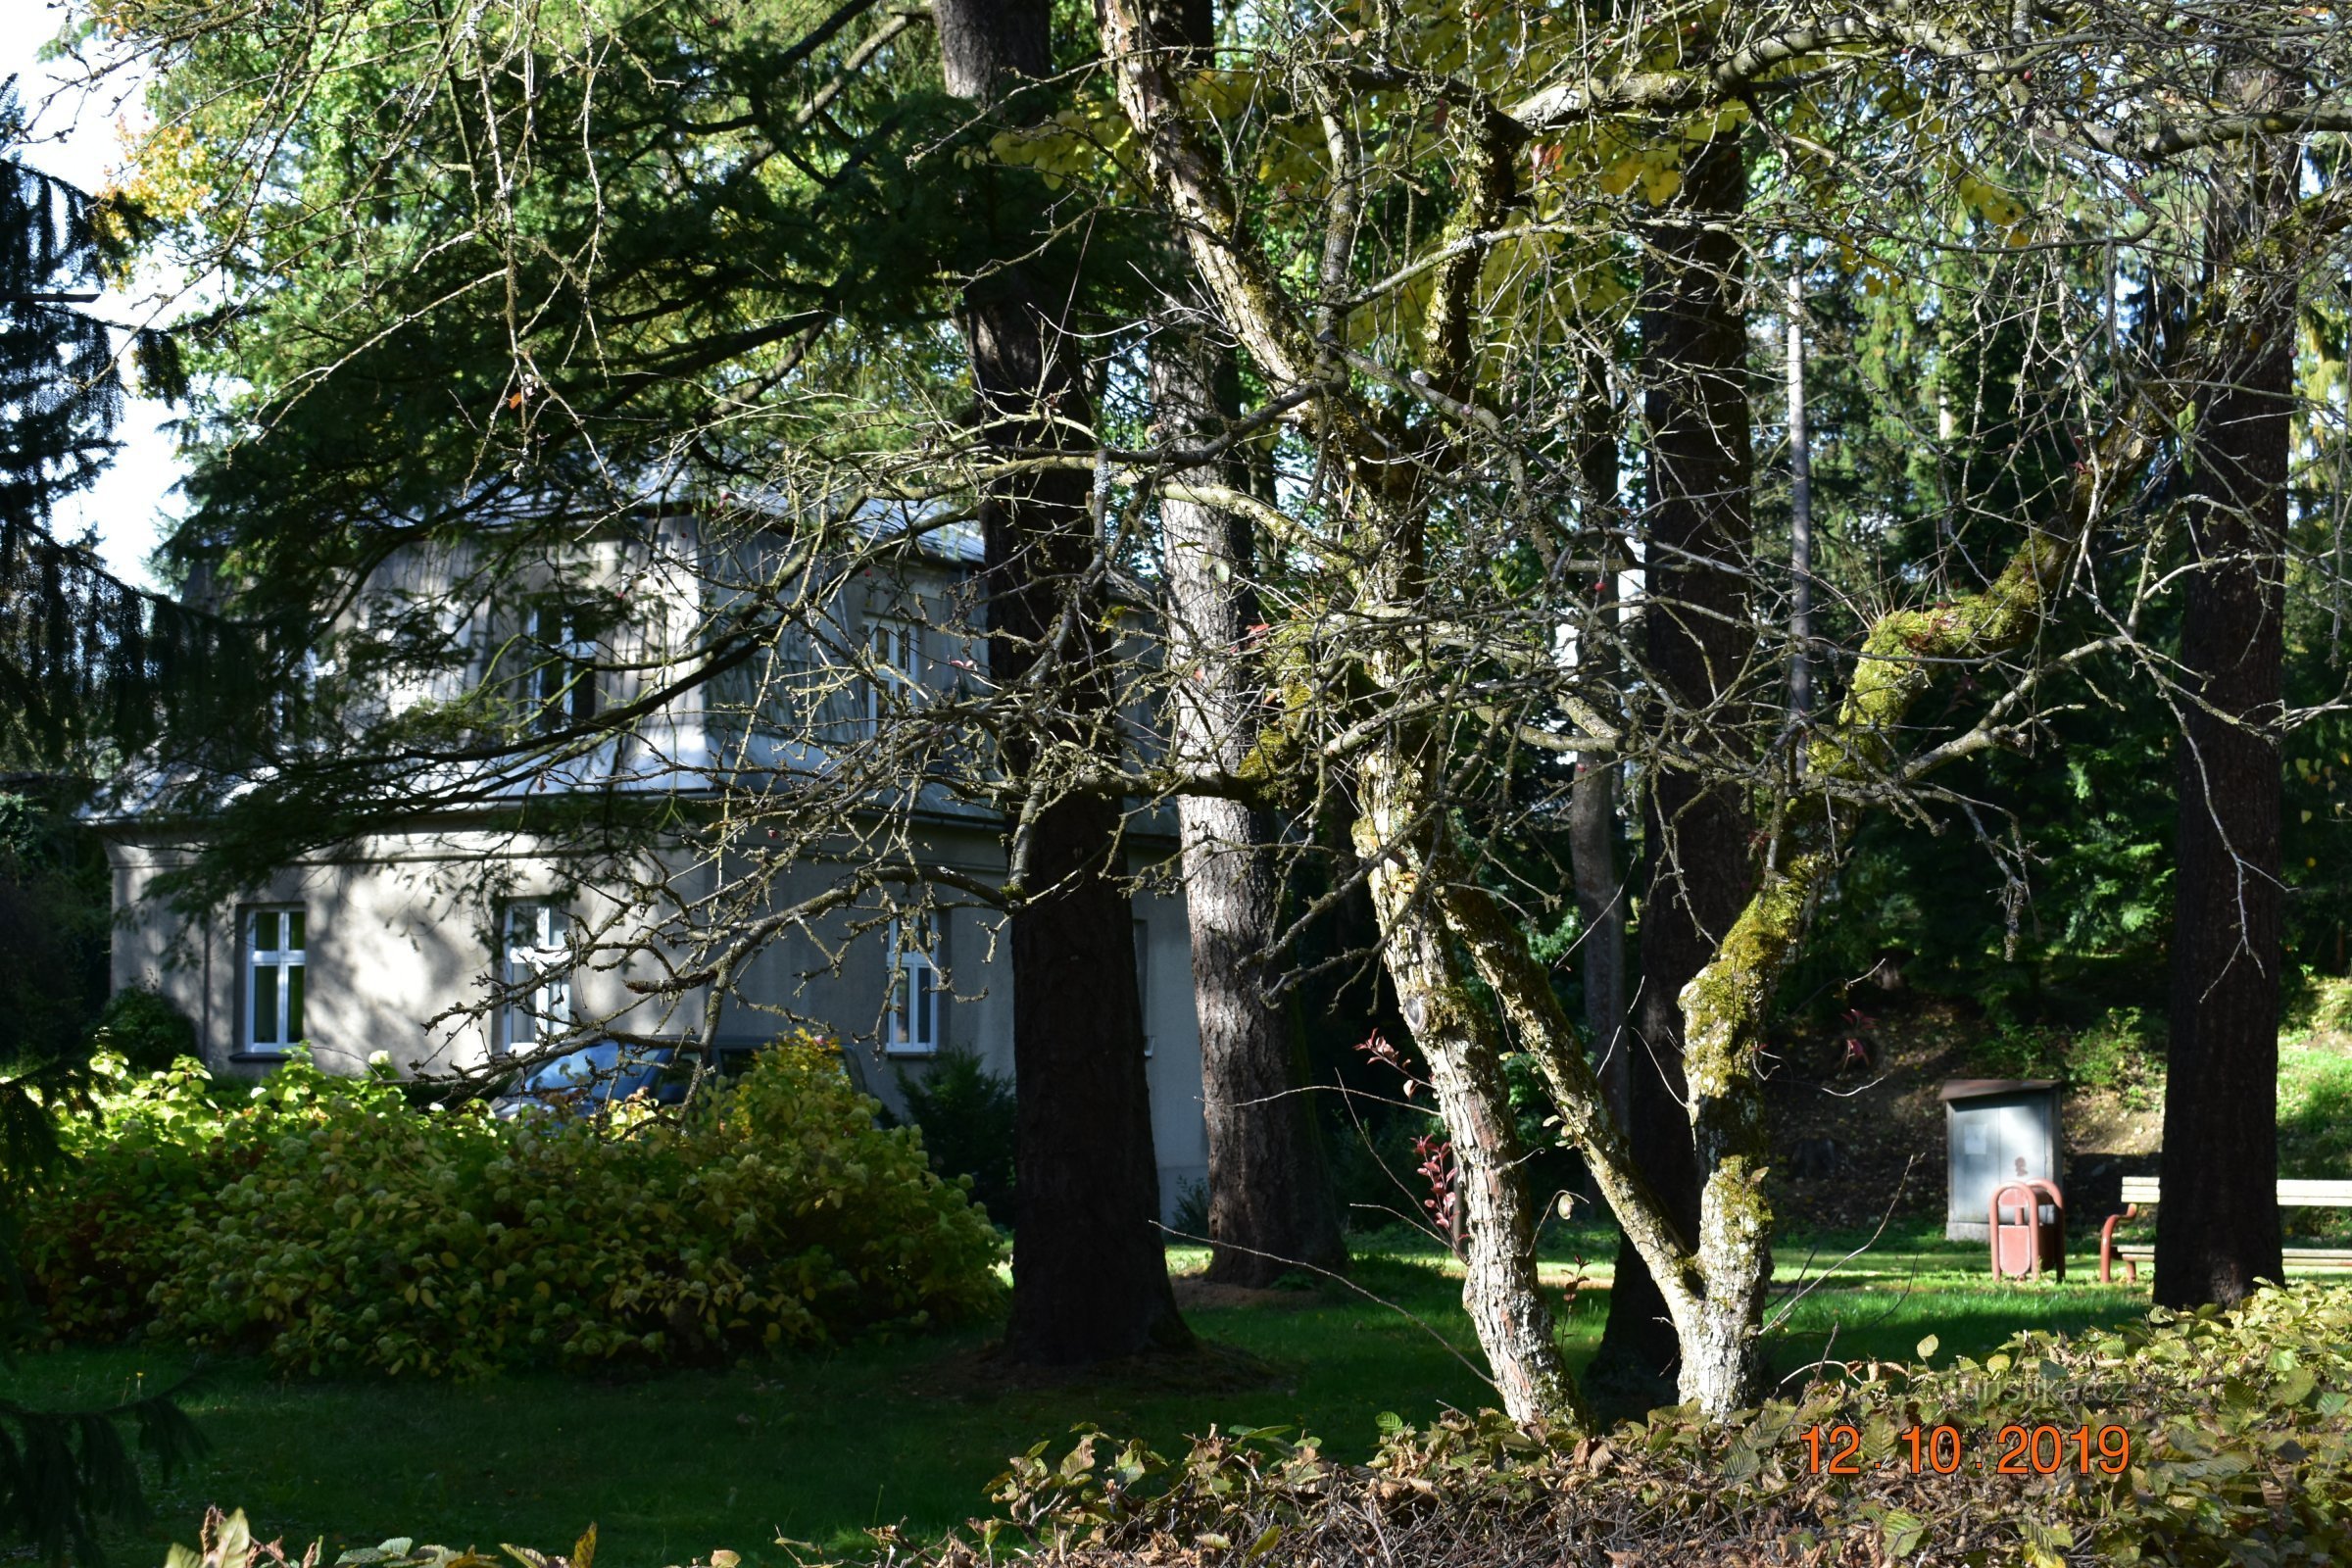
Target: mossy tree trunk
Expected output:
[1402,835]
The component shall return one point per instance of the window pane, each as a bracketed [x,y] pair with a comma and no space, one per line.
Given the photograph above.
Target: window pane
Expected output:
[294,924]
[294,1030]
[264,1004]
[265,930]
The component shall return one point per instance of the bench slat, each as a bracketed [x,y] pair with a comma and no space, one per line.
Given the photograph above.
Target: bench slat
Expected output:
[2293,1193]
[2315,1194]
[2305,1256]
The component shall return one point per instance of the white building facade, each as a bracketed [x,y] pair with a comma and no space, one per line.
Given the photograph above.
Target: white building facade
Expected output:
[463,935]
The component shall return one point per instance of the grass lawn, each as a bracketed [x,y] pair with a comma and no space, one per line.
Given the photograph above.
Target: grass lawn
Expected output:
[821,1448]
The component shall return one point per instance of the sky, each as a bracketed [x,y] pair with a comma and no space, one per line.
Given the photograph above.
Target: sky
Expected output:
[77,140]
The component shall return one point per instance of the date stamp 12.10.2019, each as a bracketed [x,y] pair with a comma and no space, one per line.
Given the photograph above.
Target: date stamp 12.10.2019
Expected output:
[2016,1450]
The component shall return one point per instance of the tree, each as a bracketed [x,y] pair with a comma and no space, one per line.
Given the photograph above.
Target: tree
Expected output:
[1270,1203]
[1089,1276]
[1441,455]
[1416,233]
[73,656]
[2218,1230]
[1697,531]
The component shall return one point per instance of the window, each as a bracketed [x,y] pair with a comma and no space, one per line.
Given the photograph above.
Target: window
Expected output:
[564,674]
[536,974]
[274,970]
[911,1027]
[894,649]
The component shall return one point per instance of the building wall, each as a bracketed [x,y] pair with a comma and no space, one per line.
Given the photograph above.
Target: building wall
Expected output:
[403,941]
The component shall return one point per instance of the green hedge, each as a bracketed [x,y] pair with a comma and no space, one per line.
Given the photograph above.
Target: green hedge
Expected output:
[331,1223]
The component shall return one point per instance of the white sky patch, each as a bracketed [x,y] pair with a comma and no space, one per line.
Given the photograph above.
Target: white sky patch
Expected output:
[75,136]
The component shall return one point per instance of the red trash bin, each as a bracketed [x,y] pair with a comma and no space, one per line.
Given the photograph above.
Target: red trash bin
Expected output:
[2027,1223]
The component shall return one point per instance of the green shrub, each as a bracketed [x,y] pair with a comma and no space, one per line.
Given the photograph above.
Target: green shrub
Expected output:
[969,1120]
[2122,1051]
[100,1233]
[331,1223]
[2240,1452]
[144,1030]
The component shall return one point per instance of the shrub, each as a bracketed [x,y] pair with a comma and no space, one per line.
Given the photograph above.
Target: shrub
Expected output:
[99,1234]
[2122,1051]
[969,1120]
[144,1030]
[338,1227]
[2237,1427]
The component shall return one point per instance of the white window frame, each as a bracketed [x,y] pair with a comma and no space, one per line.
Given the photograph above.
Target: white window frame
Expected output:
[893,650]
[911,1012]
[564,679]
[535,973]
[287,964]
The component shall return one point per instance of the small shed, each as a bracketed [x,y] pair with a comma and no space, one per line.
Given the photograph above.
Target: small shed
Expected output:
[1995,1130]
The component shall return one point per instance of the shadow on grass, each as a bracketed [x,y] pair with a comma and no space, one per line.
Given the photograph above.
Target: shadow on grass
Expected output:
[821,1448]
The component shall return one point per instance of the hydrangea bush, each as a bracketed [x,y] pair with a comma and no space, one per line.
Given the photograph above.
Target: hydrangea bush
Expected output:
[338,1227]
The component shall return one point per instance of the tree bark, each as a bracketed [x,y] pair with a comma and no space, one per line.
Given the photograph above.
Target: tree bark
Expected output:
[1695,833]
[2216,1230]
[1400,832]
[1594,843]
[1090,1277]
[1600,909]
[1271,1206]
[1270,1201]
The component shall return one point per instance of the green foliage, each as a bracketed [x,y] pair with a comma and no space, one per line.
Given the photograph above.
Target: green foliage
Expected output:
[2314,1114]
[968,1115]
[2237,1425]
[54,923]
[63,1472]
[1189,1217]
[2317,1004]
[338,1227]
[2122,1051]
[145,1030]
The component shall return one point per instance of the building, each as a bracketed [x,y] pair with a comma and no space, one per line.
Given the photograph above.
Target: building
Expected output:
[464,933]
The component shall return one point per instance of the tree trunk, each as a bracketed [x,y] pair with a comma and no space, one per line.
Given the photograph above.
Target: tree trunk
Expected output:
[1271,1206]
[1400,832]
[1600,907]
[1595,844]
[1800,513]
[2216,1230]
[1695,833]
[1271,1201]
[1090,1275]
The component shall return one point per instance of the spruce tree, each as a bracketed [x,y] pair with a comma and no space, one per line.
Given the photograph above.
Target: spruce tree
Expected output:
[69,631]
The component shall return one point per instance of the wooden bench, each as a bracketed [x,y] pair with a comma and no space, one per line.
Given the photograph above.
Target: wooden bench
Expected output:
[2141,1190]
